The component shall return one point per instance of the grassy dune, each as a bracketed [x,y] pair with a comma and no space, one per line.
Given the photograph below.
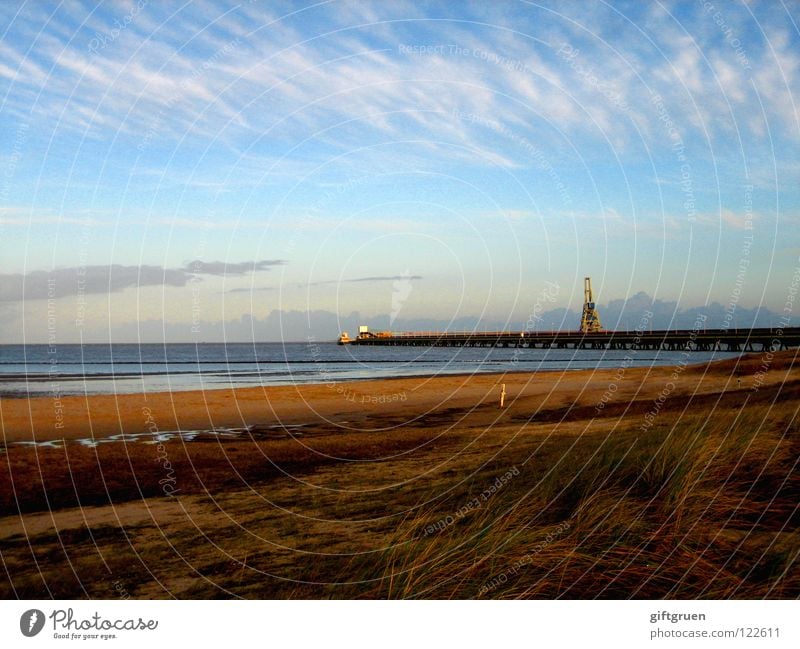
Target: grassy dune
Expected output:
[704,508]
[692,495]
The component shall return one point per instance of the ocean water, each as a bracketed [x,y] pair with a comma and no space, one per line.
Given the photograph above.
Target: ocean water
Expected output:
[128,368]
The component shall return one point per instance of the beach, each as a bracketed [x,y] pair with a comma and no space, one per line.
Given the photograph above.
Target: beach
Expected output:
[626,482]
[357,405]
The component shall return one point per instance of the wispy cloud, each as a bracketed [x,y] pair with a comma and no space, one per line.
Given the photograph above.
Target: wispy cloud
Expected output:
[89,280]
[113,278]
[13,216]
[255,289]
[383,278]
[355,280]
[380,79]
[729,220]
[223,268]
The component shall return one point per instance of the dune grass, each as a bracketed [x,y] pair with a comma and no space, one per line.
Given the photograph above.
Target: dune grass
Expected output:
[703,507]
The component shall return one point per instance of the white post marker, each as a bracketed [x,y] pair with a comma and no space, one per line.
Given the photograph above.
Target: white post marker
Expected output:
[503,395]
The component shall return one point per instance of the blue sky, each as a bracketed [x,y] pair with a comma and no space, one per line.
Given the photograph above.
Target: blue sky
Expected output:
[331,156]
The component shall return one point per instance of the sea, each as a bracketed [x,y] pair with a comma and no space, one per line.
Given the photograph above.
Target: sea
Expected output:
[63,369]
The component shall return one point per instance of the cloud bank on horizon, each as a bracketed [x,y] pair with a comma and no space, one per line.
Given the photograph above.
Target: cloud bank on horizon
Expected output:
[489,148]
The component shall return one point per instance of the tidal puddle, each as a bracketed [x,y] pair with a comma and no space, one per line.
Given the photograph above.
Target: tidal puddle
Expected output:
[276,431]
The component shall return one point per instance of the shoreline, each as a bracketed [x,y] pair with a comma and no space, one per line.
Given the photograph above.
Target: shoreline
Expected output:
[42,378]
[290,404]
[277,384]
[58,416]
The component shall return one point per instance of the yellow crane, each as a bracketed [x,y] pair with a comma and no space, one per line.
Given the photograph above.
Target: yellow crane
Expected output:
[590,319]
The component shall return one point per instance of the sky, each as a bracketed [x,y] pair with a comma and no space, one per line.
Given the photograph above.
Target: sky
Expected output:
[166,168]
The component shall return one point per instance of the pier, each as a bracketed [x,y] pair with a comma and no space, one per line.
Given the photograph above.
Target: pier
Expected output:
[591,335]
[725,340]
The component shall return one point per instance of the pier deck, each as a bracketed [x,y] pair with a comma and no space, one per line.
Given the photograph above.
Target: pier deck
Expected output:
[730,340]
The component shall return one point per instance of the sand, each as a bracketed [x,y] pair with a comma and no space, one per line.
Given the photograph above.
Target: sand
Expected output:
[356,405]
[322,474]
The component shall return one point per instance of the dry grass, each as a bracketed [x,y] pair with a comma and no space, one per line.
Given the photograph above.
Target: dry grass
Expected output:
[704,507]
